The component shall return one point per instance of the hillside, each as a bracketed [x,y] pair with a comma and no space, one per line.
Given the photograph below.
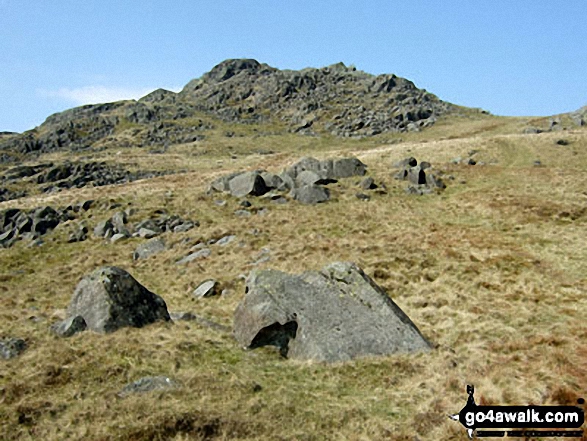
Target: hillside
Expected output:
[490,268]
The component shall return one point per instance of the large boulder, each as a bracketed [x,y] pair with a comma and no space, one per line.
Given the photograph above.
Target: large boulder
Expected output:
[311,194]
[248,183]
[336,314]
[110,298]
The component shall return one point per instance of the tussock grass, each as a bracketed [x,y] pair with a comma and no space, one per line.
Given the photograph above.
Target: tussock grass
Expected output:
[492,271]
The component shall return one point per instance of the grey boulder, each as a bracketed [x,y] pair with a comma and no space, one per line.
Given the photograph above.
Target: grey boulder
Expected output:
[248,183]
[311,194]
[336,314]
[110,298]
[149,248]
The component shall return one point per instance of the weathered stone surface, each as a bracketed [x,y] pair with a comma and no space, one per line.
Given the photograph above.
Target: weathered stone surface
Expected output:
[311,194]
[70,326]
[12,347]
[336,314]
[149,248]
[307,177]
[110,298]
[248,183]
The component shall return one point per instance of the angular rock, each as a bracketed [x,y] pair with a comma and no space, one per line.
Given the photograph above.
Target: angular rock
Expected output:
[311,194]
[416,175]
[208,288]
[201,254]
[336,314]
[307,177]
[147,233]
[110,298]
[12,347]
[102,228]
[368,184]
[248,183]
[149,248]
[225,240]
[407,162]
[347,167]
[70,326]
[118,237]
[271,181]
[221,184]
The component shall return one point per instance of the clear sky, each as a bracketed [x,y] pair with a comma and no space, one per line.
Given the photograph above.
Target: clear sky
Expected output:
[511,57]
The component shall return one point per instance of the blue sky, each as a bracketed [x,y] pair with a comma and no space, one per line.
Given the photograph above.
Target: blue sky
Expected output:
[514,57]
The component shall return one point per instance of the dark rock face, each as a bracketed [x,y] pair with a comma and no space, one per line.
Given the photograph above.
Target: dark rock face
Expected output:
[336,314]
[110,298]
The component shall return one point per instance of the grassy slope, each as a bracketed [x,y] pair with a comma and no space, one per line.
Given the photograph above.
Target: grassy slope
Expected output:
[492,271]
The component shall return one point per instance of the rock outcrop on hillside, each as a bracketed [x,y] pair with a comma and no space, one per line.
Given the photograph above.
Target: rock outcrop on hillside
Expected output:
[336,99]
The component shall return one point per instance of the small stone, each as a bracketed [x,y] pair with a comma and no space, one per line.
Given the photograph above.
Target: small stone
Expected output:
[149,248]
[117,237]
[242,213]
[225,240]
[245,204]
[207,288]
[12,347]
[147,233]
[363,197]
[149,384]
[70,326]
[202,254]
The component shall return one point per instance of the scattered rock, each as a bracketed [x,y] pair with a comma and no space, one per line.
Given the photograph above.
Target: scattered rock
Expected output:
[148,384]
[225,240]
[363,196]
[208,288]
[336,314]
[149,248]
[12,347]
[110,298]
[70,326]
[201,254]
[368,184]
[311,194]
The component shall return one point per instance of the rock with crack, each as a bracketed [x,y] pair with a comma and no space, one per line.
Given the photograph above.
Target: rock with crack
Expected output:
[110,298]
[336,314]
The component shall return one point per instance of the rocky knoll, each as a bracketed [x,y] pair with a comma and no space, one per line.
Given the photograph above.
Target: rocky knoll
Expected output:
[335,314]
[336,99]
[305,180]
[16,224]
[55,177]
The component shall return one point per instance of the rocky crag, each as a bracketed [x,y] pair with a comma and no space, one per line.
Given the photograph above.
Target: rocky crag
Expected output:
[337,100]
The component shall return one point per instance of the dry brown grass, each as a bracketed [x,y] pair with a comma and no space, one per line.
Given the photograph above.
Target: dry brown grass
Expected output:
[492,271]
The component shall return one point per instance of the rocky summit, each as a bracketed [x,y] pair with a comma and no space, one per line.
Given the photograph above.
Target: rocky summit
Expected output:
[338,100]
